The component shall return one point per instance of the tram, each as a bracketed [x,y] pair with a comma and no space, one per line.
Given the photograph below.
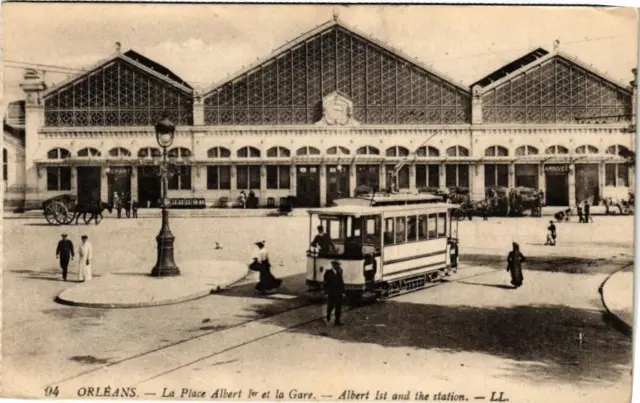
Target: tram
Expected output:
[384,250]
[388,199]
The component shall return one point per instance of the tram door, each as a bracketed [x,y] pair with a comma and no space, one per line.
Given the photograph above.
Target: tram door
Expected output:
[308,186]
[337,183]
[88,185]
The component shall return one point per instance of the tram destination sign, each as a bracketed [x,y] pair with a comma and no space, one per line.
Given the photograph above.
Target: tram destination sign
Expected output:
[556,168]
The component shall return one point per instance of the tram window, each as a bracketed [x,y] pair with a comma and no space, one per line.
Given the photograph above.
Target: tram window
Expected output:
[442,224]
[431,226]
[411,228]
[422,227]
[401,235]
[372,231]
[388,231]
[334,228]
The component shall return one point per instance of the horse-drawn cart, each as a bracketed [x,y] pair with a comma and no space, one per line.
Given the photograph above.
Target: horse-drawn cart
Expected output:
[60,210]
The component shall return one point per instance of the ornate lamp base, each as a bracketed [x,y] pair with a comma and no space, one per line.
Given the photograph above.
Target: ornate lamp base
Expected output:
[165,265]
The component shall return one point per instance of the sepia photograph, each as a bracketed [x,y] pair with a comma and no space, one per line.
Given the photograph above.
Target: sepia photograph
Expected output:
[296,202]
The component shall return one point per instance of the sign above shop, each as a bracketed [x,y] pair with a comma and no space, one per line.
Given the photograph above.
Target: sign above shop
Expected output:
[120,171]
[556,168]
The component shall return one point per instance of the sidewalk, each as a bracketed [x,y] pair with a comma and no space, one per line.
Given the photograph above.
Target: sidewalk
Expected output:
[136,289]
[617,296]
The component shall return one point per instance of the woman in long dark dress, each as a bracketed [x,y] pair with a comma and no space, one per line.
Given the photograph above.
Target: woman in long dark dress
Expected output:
[268,283]
[514,265]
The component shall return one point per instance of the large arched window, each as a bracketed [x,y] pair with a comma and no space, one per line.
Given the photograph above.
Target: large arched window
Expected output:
[58,154]
[457,151]
[427,151]
[149,152]
[556,150]
[526,150]
[338,150]
[397,151]
[88,152]
[218,152]
[119,152]
[248,152]
[586,149]
[179,152]
[307,151]
[278,152]
[367,150]
[496,151]
[617,150]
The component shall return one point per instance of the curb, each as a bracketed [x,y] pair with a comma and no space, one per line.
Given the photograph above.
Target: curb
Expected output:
[616,320]
[190,297]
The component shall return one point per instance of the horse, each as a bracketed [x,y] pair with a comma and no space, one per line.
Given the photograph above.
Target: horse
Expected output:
[95,211]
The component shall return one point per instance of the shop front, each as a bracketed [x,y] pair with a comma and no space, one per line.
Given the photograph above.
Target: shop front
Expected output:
[526,175]
[119,182]
[557,184]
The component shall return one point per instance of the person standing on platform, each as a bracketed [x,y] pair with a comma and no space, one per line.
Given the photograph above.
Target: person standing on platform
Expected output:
[334,288]
[64,252]
[514,265]
[86,256]
[267,283]
[323,242]
[587,210]
[551,234]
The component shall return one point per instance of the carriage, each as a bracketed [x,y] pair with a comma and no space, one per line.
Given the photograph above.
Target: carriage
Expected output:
[63,209]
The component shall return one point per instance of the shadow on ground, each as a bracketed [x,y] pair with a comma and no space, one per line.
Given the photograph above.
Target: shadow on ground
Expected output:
[554,264]
[543,340]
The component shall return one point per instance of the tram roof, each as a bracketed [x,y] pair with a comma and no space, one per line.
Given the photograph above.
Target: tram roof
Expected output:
[370,210]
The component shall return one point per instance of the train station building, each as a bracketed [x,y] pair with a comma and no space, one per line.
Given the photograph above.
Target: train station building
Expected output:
[330,111]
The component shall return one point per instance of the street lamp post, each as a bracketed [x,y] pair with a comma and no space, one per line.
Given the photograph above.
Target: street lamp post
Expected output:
[165,265]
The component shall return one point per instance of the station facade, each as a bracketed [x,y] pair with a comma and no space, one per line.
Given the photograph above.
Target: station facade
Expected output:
[329,112]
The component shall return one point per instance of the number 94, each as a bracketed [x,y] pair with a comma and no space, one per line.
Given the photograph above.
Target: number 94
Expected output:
[51,391]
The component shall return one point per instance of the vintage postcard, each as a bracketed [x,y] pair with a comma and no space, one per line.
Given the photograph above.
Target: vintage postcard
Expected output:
[318,202]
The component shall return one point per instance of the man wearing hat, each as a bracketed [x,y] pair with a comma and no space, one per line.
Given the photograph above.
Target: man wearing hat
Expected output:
[334,288]
[64,252]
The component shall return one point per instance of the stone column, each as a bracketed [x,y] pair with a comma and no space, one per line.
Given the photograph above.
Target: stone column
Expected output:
[476,106]
[443,177]
[512,175]
[352,179]
[294,183]
[601,178]
[413,188]
[104,182]
[74,181]
[572,184]
[542,179]
[33,85]
[198,109]
[234,178]
[134,183]
[323,184]
[382,177]
[477,189]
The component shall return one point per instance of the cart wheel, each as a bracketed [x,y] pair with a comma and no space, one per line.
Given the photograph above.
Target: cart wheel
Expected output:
[50,214]
[70,215]
[61,212]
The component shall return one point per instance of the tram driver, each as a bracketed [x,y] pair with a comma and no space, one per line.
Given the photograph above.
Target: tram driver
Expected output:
[323,242]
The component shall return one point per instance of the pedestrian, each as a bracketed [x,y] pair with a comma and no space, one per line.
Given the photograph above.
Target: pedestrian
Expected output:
[64,252]
[551,234]
[242,199]
[268,283]
[587,209]
[127,205]
[323,242]
[134,208]
[514,265]
[580,215]
[334,288]
[86,256]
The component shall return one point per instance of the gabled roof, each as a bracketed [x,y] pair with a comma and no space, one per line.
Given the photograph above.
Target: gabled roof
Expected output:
[511,67]
[542,59]
[135,59]
[321,28]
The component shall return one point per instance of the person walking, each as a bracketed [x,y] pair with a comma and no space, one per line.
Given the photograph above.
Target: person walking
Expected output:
[334,288]
[64,252]
[551,234]
[86,256]
[323,242]
[117,203]
[580,215]
[587,209]
[514,265]
[268,283]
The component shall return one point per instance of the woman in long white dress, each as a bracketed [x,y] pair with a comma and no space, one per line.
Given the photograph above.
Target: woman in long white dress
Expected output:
[86,255]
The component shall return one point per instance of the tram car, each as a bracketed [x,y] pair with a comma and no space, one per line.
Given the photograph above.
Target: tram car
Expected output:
[384,250]
[388,199]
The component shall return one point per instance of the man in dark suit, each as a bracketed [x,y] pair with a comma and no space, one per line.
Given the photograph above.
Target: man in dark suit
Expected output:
[65,253]
[334,288]
[323,242]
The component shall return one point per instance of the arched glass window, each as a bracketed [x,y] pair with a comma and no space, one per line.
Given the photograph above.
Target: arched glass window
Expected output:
[427,151]
[336,150]
[556,150]
[397,151]
[248,152]
[119,152]
[496,151]
[149,152]
[218,152]
[586,149]
[88,152]
[179,152]
[58,153]
[526,150]
[617,149]
[278,152]
[457,151]
[307,151]
[367,150]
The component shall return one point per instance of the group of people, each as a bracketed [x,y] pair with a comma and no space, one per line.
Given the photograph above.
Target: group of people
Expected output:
[126,203]
[584,210]
[245,201]
[65,253]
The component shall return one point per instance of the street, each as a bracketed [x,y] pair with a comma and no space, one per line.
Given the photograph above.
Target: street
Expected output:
[470,335]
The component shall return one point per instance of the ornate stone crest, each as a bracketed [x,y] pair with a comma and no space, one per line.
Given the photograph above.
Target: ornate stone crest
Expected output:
[337,110]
